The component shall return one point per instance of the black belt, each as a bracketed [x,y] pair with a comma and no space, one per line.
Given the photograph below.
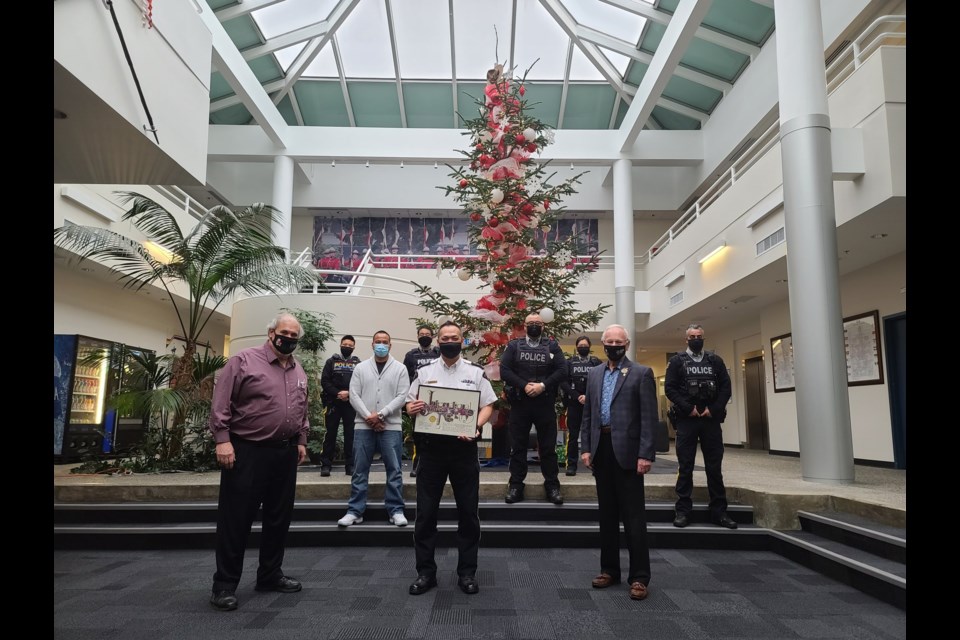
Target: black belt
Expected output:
[270,444]
[606,429]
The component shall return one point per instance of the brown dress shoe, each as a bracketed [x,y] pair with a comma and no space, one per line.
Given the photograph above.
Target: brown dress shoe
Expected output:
[638,591]
[604,580]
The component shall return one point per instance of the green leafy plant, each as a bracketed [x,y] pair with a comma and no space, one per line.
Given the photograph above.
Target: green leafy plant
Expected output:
[316,331]
[225,253]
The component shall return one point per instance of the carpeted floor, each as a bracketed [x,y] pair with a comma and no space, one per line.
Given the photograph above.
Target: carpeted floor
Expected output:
[536,594]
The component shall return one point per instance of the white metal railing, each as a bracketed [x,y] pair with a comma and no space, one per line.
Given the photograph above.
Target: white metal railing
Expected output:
[894,34]
[836,72]
[180,197]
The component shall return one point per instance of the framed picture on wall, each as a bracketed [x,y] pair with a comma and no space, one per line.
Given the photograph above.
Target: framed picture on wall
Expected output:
[781,347]
[861,344]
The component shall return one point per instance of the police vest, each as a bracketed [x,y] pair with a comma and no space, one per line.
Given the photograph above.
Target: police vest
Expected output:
[416,358]
[533,363]
[700,378]
[578,372]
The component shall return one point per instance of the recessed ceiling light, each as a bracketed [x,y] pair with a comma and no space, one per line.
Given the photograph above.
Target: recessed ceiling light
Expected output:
[878,236]
[724,308]
[781,281]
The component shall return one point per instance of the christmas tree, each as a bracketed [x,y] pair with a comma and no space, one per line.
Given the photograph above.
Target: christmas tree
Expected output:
[511,204]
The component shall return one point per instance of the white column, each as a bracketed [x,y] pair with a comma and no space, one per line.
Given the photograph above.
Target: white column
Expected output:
[283,200]
[816,316]
[623,273]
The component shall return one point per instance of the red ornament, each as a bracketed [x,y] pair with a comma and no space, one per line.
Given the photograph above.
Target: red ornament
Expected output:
[531,147]
[479,147]
[520,139]
[499,286]
[475,217]
[527,208]
[464,182]
[546,204]
[521,90]
[493,221]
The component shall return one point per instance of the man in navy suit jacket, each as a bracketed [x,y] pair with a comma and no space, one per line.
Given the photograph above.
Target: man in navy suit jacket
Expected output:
[617,441]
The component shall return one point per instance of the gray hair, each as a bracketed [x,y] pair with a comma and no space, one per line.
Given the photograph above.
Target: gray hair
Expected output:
[272,326]
[693,326]
[615,326]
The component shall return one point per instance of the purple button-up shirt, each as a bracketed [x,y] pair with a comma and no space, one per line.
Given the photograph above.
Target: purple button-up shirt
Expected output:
[256,398]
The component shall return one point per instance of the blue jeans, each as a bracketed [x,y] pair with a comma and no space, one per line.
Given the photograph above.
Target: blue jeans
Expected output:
[365,443]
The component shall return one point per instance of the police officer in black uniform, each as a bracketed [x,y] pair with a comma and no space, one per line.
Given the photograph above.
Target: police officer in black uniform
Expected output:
[335,382]
[416,358]
[532,369]
[698,385]
[574,395]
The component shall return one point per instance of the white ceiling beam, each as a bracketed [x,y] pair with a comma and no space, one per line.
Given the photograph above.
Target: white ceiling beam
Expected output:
[566,21]
[453,67]
[625,48]
[296,108]
[660,16]
[566,83]
[240,143]
[290,38]
[513,38]
[243,8]
[683,109]
[235,70]
[343,81]
[765,3]
[396,62]
[229,101]
[676,38]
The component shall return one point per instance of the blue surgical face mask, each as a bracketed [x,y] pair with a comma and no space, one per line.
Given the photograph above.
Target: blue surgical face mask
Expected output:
[381,350]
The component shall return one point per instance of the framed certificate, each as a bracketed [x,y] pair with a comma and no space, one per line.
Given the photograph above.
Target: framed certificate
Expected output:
[782,349]
[448,412]
[861,342]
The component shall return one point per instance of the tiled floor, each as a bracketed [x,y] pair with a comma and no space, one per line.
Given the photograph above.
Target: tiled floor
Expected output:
[361,593]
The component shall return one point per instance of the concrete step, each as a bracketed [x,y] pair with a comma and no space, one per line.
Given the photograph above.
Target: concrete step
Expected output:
[861,533]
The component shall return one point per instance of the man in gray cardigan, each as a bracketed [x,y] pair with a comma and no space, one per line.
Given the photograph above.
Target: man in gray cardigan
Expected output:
[377,390]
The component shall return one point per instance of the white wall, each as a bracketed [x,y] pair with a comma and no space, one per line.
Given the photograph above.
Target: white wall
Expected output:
[877,287]
[172,62]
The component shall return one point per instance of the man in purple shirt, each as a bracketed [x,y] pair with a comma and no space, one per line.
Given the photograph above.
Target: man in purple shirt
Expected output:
[259,421]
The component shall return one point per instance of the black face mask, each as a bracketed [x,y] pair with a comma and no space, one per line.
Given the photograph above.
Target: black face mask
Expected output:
[534,330]
[450,350]
[583,351]
[346,352]
[695,344]
[614,352]
[284,345]
[424,341]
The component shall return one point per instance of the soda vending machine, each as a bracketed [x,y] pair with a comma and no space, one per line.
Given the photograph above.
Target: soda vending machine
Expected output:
[86,372]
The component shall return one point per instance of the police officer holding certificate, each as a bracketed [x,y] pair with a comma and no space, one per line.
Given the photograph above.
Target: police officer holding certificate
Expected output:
[698,385]
[532,369]
[443,456]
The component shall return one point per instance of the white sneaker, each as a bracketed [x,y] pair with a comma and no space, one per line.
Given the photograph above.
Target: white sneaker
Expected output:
[398,519]
[348,520]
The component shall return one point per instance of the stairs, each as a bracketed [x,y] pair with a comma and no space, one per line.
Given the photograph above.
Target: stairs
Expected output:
[853,550]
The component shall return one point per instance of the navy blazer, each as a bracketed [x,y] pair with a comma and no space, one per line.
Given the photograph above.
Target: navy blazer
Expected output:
[633,413]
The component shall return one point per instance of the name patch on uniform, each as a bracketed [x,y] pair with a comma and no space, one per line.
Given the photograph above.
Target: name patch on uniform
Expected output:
[431,382]
[467,381]
[702,370]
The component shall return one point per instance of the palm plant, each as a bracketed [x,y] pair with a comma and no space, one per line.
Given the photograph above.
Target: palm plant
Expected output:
[225,253]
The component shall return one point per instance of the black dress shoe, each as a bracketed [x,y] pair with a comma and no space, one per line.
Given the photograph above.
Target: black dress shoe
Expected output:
[571,468]
[348,471]
[681,520]
[514,494]
[725,521]
[422,584]
[224,600]
[553,495]
[413,473]
[468,584]
[324,471]
[283,585]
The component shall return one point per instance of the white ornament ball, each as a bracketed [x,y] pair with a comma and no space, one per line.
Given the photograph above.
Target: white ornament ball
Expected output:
[546,314]
[463,274]
[496,196]
[529,134]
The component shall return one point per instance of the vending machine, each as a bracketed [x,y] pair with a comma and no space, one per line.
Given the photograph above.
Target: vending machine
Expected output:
[86,373]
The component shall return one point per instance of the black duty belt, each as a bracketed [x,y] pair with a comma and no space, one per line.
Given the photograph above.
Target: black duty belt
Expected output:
[607,429]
